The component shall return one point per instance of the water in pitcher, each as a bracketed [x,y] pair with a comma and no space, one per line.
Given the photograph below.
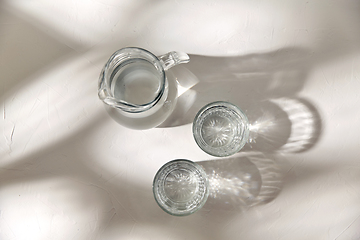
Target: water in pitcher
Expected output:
[136,82]
[139,82]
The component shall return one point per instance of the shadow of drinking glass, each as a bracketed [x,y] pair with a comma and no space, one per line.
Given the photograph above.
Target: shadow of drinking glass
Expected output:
[241,182]
[284,125]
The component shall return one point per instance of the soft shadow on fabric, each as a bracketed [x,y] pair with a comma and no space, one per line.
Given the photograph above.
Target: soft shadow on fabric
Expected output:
[264,85]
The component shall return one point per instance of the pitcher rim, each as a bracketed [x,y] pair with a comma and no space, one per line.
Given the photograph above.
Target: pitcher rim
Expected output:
[121,104]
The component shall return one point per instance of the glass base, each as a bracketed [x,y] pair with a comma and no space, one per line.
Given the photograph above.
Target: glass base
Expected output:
[180,187]
[221,129]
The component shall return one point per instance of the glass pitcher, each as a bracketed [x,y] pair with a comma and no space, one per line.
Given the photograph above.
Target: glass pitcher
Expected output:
[139,87]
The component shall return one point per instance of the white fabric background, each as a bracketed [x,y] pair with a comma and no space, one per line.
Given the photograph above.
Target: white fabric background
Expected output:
[69,171]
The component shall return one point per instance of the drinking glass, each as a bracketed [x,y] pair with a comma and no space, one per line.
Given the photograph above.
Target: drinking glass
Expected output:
[137,84]
[221,129]
[180,187]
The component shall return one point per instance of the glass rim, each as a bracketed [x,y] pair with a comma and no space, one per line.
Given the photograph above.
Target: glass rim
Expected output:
[197,129]
[203,200]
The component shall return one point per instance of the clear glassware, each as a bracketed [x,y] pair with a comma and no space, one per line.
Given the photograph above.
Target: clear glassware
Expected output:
[181,187]
[137,84]
[221,129]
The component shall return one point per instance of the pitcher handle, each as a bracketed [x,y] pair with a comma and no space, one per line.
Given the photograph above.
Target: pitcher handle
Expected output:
[171,59]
